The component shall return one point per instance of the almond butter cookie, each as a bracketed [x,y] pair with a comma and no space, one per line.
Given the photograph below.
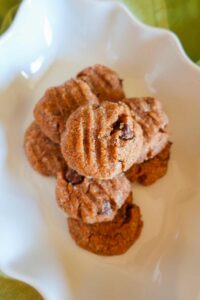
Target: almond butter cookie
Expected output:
[109,238]
[151,170]
[148,112]
[88,199]
[101,141]
[53,109]
[104,82]
[43,154]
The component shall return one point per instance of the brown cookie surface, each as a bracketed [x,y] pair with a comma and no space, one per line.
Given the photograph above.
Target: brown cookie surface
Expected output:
[43,154]
[53,109]
[88,199]
[109,238]
[104,82]
[151,170]
[101,141]
[148,112]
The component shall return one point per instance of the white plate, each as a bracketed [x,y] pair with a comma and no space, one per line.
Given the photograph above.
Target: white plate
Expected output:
[48,42]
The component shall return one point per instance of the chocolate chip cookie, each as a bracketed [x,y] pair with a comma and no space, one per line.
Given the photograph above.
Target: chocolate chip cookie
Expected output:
[151,170]
[52,111]
[101,141]
[109,238]
[104,82]
[44,155]
[148,112]
[88,199]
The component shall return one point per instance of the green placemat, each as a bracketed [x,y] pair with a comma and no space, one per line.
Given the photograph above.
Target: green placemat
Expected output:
[8,9]
[180,16]
[15,290]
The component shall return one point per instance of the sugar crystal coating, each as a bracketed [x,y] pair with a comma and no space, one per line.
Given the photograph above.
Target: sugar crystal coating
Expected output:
[43,154]
[88,199]
[53,109]
[104,82]
[148,112]
[101,141]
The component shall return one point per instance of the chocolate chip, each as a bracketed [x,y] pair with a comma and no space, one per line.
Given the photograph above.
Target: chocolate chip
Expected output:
[139,169]
[116,126]
[149,154]
[142,178]
[73,177]
[121,81]
[106,208]
[162,130]
[126,134]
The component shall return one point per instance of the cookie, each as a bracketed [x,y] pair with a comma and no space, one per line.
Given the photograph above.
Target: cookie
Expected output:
[151,170]
[88,199]
[104,83]
[148,112]
[44,155]
[101,141]
[52,111]
[109,238]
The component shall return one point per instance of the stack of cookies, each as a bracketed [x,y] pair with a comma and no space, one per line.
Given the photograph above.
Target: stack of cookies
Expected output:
[95,141]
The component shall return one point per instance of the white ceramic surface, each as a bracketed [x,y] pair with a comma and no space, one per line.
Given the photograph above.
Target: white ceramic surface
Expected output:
[48,42]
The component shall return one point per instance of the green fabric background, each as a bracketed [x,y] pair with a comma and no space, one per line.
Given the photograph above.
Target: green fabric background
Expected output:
[180,16]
